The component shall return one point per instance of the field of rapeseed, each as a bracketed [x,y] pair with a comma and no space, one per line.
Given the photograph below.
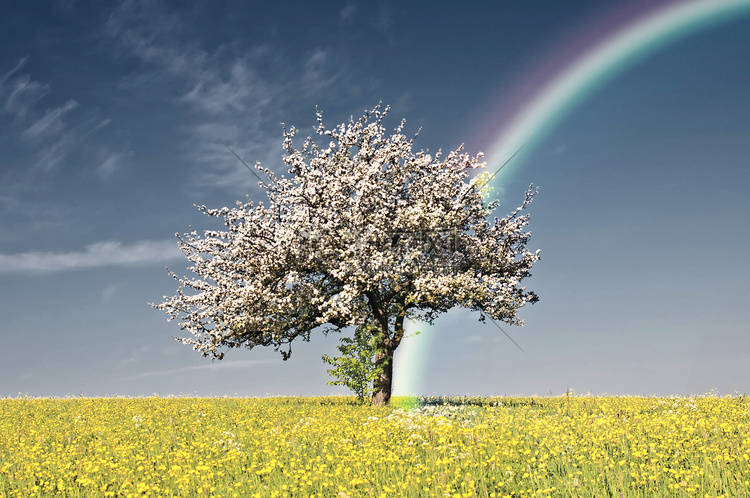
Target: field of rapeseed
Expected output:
[331,447]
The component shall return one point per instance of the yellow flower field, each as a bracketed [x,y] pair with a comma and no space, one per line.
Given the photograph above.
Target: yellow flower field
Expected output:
[331,447]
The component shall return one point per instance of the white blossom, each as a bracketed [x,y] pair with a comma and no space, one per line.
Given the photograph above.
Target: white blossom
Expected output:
[364,229]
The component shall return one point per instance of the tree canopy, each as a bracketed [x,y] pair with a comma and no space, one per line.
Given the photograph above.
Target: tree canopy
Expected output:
[363,230]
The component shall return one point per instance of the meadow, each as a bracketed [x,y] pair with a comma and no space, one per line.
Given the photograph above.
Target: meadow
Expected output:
[332,447]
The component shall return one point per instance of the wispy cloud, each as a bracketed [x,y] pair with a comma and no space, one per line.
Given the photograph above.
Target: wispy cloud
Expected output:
[51,155]
[384,20]
[237,91]
[217,83]
[51,139]
[100,254]
[227,95]
[226,171]
[60,145]
[113,162]
[347,13]
[20,93]
[318,76]
[236,94]
[216,366]
[102,124]
[51,123]
[110,164]
[15,69]
[150,32]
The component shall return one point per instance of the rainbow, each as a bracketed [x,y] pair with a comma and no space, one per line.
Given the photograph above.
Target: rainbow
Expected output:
[590,59]
[654,26]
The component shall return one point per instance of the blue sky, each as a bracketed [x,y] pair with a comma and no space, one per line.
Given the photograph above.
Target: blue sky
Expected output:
[113,120]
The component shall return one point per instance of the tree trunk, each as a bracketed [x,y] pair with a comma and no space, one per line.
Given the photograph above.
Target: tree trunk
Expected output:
[384,382]
[381,393]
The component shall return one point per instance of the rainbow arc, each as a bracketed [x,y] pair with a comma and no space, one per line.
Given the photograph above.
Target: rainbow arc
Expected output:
[650,26]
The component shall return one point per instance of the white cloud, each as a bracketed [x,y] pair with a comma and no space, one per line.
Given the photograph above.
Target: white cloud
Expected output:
[219,88]
[110,164]
[384,20]
[240,90]
[216,85]
[226,171]
[102,124]
[67,141]
[100,254]
[22,93]
[220,132]
[50,124]
[50,156]
[214,366]
[113,162]
[10,73]
[318,74]
[347,13]
[145,30]
[49,135]
[237,94]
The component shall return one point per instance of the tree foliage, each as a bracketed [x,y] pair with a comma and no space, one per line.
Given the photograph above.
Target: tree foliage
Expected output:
[356,368]
[363,230]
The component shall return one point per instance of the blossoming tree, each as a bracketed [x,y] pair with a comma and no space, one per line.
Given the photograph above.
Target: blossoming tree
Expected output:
[364,230]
